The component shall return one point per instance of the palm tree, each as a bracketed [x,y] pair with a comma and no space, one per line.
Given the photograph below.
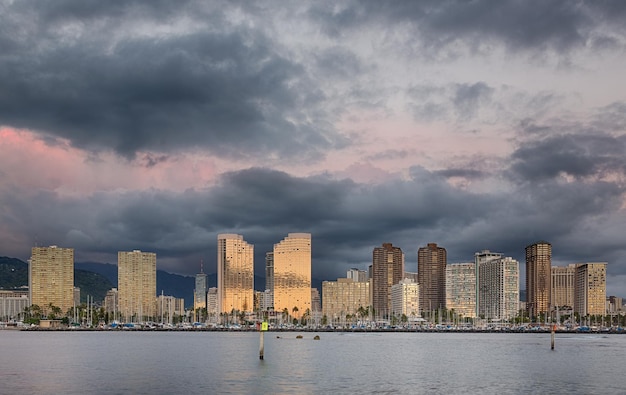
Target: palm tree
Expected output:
[294,310]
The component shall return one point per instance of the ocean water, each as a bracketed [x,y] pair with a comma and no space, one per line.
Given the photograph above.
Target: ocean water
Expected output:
[340,363]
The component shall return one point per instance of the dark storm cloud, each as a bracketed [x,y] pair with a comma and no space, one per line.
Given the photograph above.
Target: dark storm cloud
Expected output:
[577,155]
[559,26]
[219,88]
[346,219]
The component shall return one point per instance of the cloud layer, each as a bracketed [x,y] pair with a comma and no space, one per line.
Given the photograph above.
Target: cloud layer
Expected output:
[154,125]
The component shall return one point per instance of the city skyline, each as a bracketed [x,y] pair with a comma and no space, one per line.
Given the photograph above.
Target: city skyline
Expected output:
[157,126]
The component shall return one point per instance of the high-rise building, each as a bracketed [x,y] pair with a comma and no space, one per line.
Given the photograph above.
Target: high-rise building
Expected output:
[344,297]
[292,274]
[200,291]
[405,299]
[590,293]
[538,278]
[235,273]
[497,282]
[269,270]
[563,286]
[111,303]
[51,278]
[387,270]
[461,289]
[411,276]
[212,304]
[136,284]
[431,272]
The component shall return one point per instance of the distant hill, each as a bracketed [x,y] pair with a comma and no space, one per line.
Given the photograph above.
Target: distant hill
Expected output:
[13,273]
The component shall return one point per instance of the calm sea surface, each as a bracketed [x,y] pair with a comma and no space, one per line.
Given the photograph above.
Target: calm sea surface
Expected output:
[339,363]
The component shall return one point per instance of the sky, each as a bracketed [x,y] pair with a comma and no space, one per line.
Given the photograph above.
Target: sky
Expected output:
[157,125]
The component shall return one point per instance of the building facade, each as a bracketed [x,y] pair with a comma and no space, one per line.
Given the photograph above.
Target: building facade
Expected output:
[111,303]
[136,284]
[431,273]
[292,274]
[405,299]
[590,293]
[461,289]
[12,304]
[538,278]
[563,286]
[497,281]
[357,275]
[51,278]
[387,270]
[235,273]
[200,291]
[344,297]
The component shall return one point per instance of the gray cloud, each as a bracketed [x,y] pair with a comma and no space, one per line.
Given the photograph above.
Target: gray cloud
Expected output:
[558,26]
[226,90]
[347,219]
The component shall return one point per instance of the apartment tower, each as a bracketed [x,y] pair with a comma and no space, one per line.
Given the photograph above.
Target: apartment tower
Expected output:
[387,270]
[51,278]
[136,284]
[292,274]
[461,289]
[590,292]
[538,278]
[563,286]
[431,273]
[235,273]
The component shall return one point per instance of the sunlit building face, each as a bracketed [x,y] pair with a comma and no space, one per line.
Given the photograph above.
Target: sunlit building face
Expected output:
[136,279]
[235,273]
[292,274]
[51,277]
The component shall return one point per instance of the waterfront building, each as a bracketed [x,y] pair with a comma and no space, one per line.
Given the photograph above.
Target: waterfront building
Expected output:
[563,285]
[269,277]
[12,304]
[136,283]
[264,300]
[357,275]
[51,278]
[200,291]
[76,296]
[461,289]
[235,273]
[387,270]
[538,278]
[170,309]
[212,304]
[590,293]
[292,274]
[344,297]
[316,300]
[614,304]
[497,281]
[405,299]
[111,303]
[431,273]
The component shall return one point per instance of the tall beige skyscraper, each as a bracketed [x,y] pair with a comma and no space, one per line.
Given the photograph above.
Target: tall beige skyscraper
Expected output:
[461,288]
[563,286]
[590,292]
[431,273]
[136,284]
[51,278]
[292,274]
[497,282]
[235,273]
[387,270]
[538,278]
